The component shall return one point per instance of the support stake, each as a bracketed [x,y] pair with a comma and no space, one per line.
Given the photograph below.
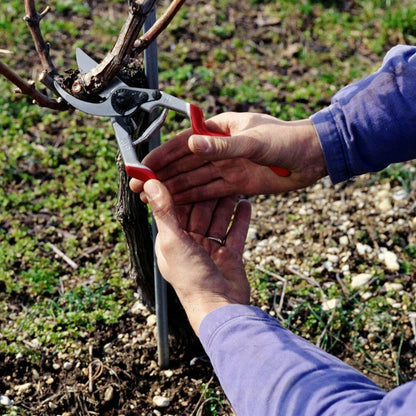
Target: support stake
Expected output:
[151,70]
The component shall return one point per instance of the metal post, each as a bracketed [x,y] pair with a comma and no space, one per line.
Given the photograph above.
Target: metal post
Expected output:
[151,70]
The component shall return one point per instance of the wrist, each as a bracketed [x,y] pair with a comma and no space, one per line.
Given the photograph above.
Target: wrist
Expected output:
[314,156]
[303,152]
[198,308]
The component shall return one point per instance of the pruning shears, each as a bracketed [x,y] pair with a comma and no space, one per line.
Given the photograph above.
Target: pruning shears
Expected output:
[120,102]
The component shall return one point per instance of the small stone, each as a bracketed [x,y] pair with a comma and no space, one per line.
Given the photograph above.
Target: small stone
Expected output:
[362,249]
[343,240]
[50,380]
[52,406]
[366,295]
[390,260]
[151,320]
[109,394]
[393,287]
[138,308]
[23,388]
[333,258]
[168,373]
[5,401]
[328,266]
[360,280]
[400,195]
[68,366]
[36,343]
[330,305]
[385,205]
[252,234]
[161,401]
[56,366]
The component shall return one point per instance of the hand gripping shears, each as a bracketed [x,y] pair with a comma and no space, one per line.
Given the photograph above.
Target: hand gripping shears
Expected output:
[120,102]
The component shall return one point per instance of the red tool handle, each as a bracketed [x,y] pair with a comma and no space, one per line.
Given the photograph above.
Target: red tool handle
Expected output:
[199,127]
[143,174]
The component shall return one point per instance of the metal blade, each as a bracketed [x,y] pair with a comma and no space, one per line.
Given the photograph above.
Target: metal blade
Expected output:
[85,62]
[97,109]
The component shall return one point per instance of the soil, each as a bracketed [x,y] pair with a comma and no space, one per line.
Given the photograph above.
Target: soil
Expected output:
[120,376]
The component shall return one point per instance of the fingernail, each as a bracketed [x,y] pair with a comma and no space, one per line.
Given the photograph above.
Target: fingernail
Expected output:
[152,189]
[202,144]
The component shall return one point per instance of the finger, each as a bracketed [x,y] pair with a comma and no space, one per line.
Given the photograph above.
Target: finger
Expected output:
[188,162]
[136,185]
[162,207]
[172,150]
[215,189]
[221,217]
[238,231]
[200,176]
[200,217]
[220,148]
[183,213]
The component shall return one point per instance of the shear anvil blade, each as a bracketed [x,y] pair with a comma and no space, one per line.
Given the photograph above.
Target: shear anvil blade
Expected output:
[104,109]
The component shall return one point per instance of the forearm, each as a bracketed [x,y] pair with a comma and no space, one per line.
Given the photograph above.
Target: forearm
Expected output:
[372,123]
[267,370]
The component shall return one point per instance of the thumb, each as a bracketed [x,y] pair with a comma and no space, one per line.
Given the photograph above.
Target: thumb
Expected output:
[162,206]
[219,148]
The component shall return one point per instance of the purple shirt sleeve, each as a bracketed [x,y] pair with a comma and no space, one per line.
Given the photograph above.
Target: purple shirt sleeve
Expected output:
[265,370]
[372,122]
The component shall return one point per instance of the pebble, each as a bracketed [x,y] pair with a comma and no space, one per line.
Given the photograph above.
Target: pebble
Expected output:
[161,401]
[5,401]
[23,388]
[366,295]
[109,394]
[52,406]
[389,259]
[151,320]
[168,373]
[252,234]
[385,205]
[393,287]
[333,258]
[343,240]
[400,195]
[362,249]
[56,366]
[50,380]
[138,308]
[68,365]
[360,280]
[328,266]
[329,305]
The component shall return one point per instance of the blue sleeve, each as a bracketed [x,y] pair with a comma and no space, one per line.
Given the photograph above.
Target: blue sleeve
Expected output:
[266,370]
[372,122]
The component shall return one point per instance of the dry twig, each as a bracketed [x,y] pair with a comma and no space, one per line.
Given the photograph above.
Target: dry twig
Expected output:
[63,256]
[278,309]
[147,38]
